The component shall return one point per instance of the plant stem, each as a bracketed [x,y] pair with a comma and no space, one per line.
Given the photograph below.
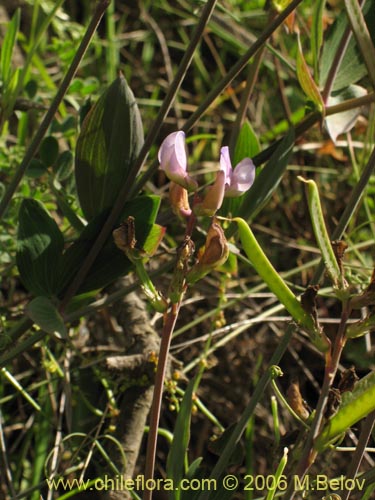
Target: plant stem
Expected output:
[332,362]
[168,327]
[34,146]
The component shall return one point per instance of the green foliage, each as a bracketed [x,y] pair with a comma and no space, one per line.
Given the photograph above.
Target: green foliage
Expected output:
[7,48]
[64,163]
[352,67]
[44,314]
[39,249]
[110,263]
[109,142]
[268,179]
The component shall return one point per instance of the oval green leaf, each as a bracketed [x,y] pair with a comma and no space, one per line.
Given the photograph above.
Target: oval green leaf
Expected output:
[44,313]
[39,248]
[109,143]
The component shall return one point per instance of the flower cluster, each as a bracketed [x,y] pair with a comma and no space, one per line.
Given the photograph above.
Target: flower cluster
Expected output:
[229,182]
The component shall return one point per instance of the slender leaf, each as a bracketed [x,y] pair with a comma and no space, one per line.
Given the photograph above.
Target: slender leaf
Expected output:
[268,179]
[306,80]
[7,47]
[362,35]
[181,437]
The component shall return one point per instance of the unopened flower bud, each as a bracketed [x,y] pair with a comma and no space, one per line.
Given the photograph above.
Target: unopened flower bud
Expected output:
[178,197]
[214,197]
[214,254]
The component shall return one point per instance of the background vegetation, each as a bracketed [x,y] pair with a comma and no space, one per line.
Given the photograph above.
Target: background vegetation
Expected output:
[78,361]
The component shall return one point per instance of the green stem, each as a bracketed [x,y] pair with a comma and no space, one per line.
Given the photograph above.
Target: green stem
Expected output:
[279,471]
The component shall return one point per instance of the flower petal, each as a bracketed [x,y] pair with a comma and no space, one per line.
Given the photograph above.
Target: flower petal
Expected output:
[242,178]
[173,160]
[226,164]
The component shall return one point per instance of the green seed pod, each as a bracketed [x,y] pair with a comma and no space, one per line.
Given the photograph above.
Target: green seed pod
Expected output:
[109,143]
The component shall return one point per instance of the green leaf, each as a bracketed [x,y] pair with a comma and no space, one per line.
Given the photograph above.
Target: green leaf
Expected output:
[355,405]
[36,169]
[352,67]
[39,248]
[49,150]
[44,313]
[153,239]
[7,47]
[362,35]
[181,437]
[341,123]
[360,328]
[247,144]
[64,165]
[111,262]
[268,179]
[109,143]
[306,80]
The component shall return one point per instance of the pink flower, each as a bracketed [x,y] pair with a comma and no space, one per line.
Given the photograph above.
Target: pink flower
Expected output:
[239,179]
[173,160]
